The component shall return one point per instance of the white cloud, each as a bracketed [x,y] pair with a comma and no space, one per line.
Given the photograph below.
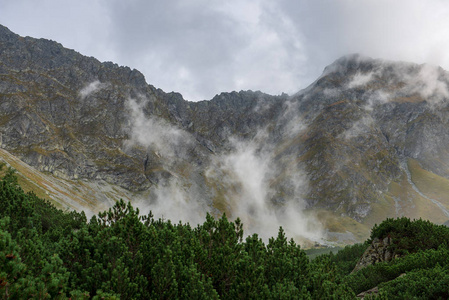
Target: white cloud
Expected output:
[155,132]
[201,48]
[360,79]
[429,82]
[249,170]
[175,202]
[245,173]
[91,88]
[172,197]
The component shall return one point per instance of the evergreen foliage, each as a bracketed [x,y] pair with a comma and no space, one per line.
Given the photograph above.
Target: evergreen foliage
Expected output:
[46,253]
[410,236]
[347,258]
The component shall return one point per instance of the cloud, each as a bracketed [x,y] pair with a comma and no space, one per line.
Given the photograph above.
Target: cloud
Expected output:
[174,201]
[430,82]
[250,171]
[91,88]
[245,176]
[156,133]
[173,196]
[278,47]
[201,48]
[401,30]
[360,79]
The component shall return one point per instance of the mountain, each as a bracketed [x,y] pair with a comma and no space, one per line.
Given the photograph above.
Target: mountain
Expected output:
[366,141]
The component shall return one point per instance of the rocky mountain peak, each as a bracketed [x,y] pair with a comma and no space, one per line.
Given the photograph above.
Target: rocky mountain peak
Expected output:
[350,63]
[6,34]
[394,79]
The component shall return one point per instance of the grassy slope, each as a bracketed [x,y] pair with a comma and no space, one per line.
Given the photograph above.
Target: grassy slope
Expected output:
[65,194]
[430,184]
[400,200]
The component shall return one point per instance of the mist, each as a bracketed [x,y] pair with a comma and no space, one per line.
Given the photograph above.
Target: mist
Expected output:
[155,132]
[250,180]
[264,45]
[238,182]
[92,88]
[383,82]
[252,171]
[172,198]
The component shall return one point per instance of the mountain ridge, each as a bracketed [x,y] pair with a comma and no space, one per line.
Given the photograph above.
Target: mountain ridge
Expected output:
[342,147]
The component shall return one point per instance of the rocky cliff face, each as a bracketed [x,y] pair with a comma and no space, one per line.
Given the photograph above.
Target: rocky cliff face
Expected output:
[360,142]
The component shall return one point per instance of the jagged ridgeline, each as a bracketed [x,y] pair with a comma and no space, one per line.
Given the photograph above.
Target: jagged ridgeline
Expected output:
[367,140]
[46,253]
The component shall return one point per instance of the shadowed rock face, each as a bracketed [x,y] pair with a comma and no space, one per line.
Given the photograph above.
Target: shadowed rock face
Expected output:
[378,251]
[346,134]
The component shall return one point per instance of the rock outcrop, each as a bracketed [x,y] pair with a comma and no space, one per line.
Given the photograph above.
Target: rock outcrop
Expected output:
[369,293]
[378,251]
[374,291]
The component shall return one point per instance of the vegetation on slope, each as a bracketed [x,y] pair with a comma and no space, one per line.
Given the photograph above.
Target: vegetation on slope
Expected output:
[46,253]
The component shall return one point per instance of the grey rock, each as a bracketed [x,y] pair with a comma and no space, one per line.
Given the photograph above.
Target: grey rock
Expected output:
[378,251]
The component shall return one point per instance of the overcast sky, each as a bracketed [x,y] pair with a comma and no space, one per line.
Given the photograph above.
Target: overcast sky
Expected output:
[203,47]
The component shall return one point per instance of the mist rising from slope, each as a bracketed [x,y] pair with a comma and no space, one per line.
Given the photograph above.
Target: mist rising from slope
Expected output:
[250,171]
[172,198]
[246,175]
[91,88]
[155,132]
